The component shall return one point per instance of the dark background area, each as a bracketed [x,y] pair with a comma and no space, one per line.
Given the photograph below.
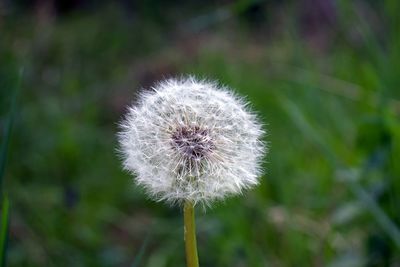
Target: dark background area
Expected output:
[323,75]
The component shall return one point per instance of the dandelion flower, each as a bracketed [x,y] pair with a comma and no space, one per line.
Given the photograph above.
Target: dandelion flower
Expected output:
[192,140]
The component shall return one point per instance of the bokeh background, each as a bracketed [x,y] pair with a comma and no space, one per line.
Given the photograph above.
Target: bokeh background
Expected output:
[324,75]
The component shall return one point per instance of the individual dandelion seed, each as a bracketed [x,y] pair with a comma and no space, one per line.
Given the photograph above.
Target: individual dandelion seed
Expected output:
[190,141]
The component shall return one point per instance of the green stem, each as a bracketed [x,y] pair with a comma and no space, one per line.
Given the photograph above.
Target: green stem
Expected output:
[192,259]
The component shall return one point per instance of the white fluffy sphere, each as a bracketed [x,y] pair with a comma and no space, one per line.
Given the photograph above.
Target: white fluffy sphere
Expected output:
[190,140]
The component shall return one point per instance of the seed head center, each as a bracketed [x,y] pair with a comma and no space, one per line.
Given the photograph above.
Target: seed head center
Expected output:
[193,142]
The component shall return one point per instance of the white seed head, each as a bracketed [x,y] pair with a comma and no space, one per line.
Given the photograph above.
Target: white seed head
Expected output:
[190,140]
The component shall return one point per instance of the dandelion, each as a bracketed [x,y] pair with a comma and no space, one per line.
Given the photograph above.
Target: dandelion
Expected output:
[192,142]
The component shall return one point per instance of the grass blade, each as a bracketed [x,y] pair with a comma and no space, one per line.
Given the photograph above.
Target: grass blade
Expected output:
[141,252]
[3,159]
[8,128]
[4,231]
[383,220]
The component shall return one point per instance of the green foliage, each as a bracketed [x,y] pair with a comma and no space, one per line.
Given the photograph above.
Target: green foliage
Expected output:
[330,195]
[4,231]
[8,123]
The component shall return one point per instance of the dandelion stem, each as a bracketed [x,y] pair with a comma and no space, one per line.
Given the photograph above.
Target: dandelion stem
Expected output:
[192,259]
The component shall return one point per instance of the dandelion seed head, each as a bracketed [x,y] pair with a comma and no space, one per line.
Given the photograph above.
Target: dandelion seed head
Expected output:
[192,140]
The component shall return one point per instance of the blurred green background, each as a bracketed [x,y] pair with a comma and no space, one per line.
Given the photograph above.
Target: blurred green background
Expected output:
[324,76]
